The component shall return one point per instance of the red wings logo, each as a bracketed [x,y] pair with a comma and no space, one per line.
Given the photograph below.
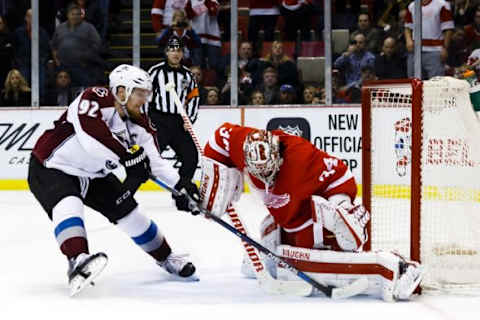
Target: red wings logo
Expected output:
[276,201]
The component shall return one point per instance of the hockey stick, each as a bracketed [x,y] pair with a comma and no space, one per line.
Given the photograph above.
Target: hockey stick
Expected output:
[356,287]
[266,281]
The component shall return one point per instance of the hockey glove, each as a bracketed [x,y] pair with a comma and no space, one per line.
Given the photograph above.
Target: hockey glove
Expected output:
[189,198]
[137,166]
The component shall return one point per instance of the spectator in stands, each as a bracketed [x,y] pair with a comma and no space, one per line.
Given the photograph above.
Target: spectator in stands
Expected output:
[387,14]
[288,94]
[75,47]
[270,87]
[308,94]
[397,32]
[198,75]
[318,99]
[181,28]
[388,64]
[351,62]
[162,13]
[437,29]
[297,15]
[458,51]
[6,51]
[205,24]
[463,11]
[244,88]
[246,60]
[22,42]
[354,92]
[213,97]
[91,12]
[373,35]
[62,94]
[257,98]
[16,92]
[245,54]
[472,31]
[286,67]
[262,14]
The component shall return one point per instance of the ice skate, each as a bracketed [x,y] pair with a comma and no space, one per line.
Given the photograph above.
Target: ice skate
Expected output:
[84,269]
[411,273]
[178,265]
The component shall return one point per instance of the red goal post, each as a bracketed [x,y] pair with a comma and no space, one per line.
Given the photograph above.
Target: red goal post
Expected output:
[421,176]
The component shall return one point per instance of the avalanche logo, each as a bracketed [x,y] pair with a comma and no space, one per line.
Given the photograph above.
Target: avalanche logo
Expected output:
[110,165]
[276,201]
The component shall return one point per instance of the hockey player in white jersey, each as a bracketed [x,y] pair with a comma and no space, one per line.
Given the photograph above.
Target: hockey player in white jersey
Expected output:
[71,166]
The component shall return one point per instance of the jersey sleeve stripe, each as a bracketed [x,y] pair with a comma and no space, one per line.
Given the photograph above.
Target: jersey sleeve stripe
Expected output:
[346,176]
[213,144]
[193,93]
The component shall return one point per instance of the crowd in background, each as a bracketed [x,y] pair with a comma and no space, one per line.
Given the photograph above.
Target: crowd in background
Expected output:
[74,46]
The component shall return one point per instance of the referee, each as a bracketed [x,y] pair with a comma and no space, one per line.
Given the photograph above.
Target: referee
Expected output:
[164,112]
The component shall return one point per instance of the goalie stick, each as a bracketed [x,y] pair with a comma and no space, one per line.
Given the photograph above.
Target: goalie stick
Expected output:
[266,281]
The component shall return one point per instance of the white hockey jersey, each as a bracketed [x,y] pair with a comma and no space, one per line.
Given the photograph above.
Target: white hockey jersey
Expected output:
[436,18]
[90,138]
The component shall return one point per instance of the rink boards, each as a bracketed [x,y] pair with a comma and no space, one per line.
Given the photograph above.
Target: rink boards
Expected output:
[335,129]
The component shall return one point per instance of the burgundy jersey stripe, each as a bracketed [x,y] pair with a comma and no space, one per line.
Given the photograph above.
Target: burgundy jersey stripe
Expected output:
[52,138]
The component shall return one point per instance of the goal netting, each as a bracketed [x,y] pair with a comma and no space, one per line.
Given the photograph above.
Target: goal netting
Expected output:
[421,176]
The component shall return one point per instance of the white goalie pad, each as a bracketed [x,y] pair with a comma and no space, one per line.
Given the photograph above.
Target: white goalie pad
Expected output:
[386,279]
[220,186]
[346,221]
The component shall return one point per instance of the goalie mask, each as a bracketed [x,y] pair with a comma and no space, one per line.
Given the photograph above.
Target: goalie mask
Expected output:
[262,155]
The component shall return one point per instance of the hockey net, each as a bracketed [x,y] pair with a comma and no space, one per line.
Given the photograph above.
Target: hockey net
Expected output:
[421,177]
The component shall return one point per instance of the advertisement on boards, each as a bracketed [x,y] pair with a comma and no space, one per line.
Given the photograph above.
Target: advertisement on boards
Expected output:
[19,130]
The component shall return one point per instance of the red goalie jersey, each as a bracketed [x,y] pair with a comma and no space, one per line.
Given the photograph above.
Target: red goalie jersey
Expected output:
[305,171]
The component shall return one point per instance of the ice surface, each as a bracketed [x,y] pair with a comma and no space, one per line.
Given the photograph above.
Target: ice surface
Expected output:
[33,281]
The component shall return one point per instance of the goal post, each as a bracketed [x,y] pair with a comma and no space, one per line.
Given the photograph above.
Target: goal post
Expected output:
[421,176]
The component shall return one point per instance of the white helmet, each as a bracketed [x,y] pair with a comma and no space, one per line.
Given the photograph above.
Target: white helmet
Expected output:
[262,155]
[129,77]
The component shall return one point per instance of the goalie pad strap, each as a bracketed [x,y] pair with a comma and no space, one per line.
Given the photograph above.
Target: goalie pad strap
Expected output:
[213,192]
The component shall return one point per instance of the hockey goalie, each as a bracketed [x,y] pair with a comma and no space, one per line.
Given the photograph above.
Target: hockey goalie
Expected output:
[314,222]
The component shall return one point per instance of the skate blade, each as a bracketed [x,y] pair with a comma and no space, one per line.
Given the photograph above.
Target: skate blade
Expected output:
[94,268]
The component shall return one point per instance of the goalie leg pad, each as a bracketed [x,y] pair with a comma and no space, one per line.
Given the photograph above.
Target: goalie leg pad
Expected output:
[270,239]
[390,277]
[220,186]
[348,225]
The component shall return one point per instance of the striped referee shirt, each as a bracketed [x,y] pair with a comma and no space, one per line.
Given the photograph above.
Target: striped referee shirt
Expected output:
[185,86]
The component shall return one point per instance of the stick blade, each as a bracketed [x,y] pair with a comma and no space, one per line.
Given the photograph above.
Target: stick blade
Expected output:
[292,288]
[356,287]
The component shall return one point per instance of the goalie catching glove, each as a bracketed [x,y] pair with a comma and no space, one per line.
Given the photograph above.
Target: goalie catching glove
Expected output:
[188,198]
[346,221]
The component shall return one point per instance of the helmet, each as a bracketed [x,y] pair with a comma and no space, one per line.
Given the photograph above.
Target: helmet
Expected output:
[262,155]
[129,77]
[174,42]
